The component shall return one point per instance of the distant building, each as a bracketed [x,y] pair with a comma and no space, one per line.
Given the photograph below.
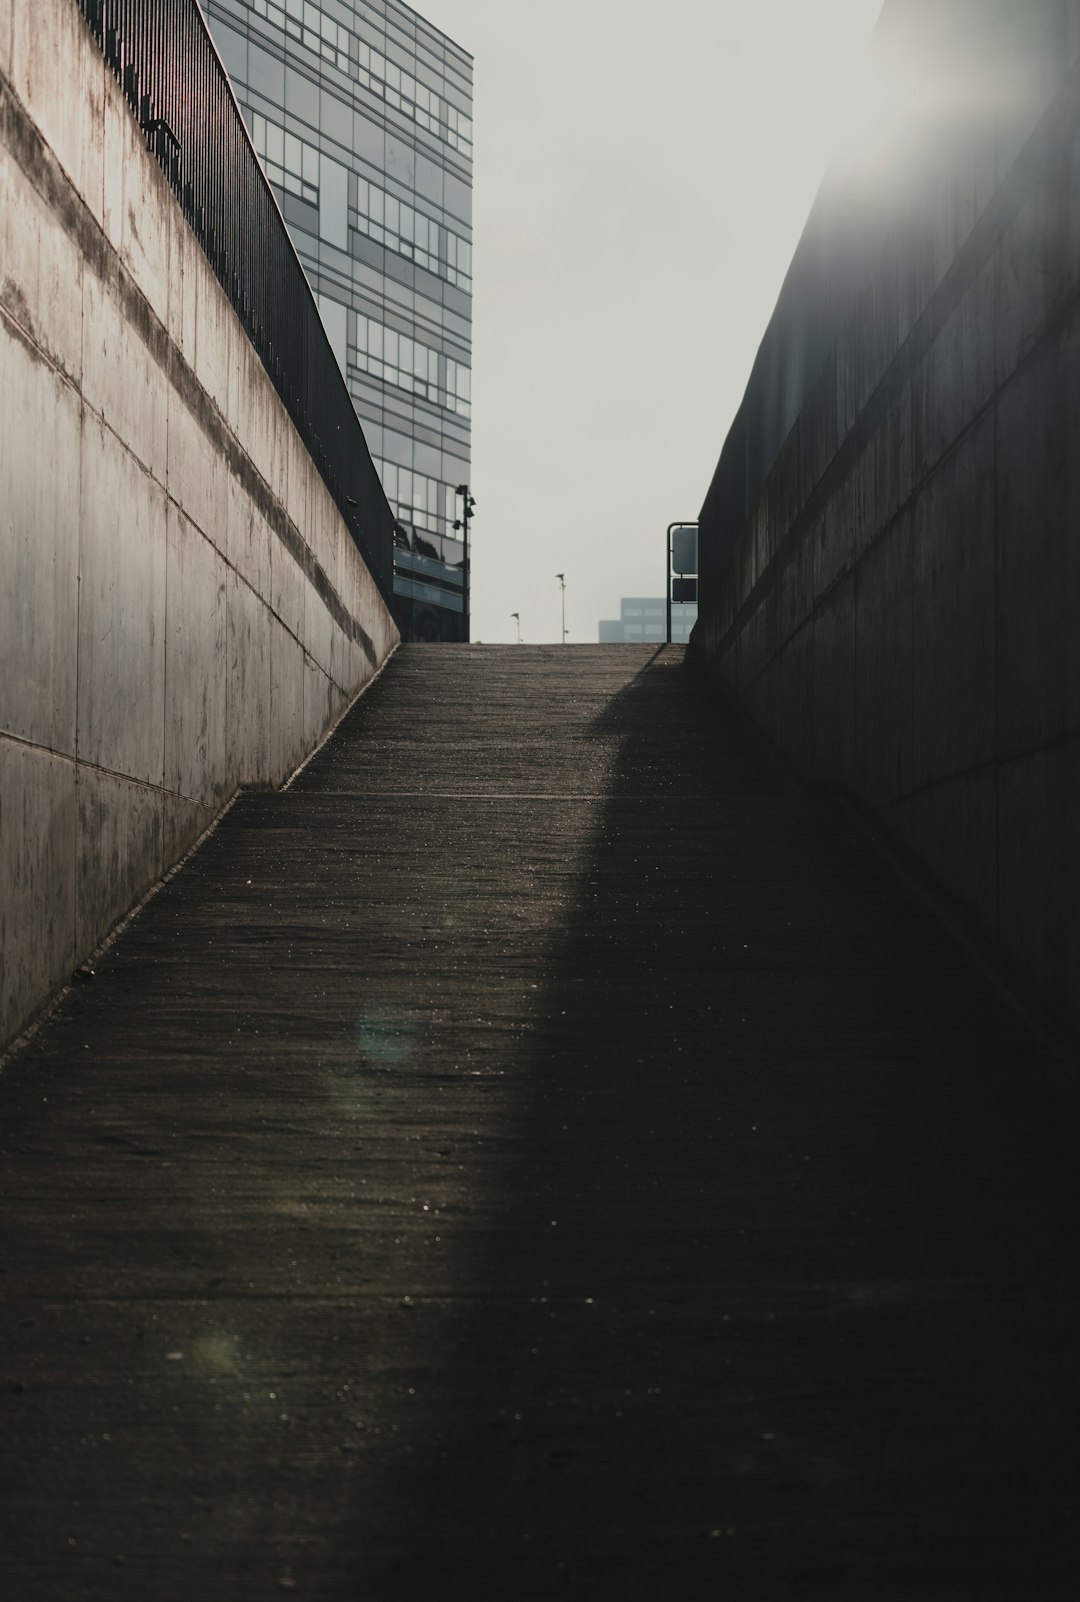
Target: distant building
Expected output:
[361,113]
[642,621]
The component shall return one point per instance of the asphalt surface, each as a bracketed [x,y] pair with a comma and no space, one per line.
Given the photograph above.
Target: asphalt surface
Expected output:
[539,1154]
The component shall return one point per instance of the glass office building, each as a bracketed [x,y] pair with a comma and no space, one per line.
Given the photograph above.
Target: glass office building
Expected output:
[362,116]
[643,621]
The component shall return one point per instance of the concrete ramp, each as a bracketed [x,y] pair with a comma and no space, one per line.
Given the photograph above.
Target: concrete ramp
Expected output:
[537,1154]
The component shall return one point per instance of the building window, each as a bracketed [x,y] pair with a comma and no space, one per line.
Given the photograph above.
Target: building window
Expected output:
[310,26]
[424,502]
[395,358]
[290,163]
[407,94]
[458,387]
[333,42]
[410,233]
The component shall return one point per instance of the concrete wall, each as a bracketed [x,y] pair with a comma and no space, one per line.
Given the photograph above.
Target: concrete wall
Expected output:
[891,542]
[182,610]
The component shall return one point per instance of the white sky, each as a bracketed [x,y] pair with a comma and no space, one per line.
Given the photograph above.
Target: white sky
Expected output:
[642,175]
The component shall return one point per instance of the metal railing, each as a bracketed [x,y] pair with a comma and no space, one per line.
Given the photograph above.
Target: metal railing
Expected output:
[164,58]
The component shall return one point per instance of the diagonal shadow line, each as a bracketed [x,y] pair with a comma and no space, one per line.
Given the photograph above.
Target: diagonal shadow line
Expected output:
[758,1311]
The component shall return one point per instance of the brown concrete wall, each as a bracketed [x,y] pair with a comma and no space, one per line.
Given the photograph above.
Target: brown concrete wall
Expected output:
[890,546]
[182,610]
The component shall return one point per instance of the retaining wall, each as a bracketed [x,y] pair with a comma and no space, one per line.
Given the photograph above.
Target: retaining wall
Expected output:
[182,609]
[890,547]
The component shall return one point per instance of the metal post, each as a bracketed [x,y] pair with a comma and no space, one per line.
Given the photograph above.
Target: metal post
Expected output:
[667,582]
[562,580]
[462,522]
[682,522]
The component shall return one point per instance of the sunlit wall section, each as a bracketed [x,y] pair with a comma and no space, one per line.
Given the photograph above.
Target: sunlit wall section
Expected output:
[362,116]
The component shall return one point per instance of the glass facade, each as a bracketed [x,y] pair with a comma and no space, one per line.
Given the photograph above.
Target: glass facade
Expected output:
[643,621]
[361,113]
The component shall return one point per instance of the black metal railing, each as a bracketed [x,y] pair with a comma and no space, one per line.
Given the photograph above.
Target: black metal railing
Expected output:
[164,58]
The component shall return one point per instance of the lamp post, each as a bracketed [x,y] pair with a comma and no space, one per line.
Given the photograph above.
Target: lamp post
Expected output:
[517,619]
[562,581]
[462,522]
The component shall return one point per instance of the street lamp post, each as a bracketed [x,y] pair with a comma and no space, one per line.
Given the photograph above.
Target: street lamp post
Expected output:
[517,619]
[462,522]
[562,581]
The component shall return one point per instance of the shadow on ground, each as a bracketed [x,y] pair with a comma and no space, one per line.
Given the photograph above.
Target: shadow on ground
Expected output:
[781,1300]
[540,1154]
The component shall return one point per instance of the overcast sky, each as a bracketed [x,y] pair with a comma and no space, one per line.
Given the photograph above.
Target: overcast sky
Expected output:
[643,172]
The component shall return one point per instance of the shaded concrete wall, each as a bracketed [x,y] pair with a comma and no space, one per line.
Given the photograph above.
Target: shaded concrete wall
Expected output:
[182,610]
[891,541]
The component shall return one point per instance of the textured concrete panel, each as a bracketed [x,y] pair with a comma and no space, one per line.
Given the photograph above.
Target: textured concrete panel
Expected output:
[215,333]
[316,530]
[1041,37]
[287,674]
[956,378]
[324,702]
[19,244]
[266,424]
[862,499]
[817,432]
[197,761]
[1037,268]
[795,592]
[791,677]
[248,537]
[7,13]
[319,629]
[185,279]
[883,667]
[833,538]
[358,591]
[953,610]
[37,878]
[138,214]
[287,589]
[834,689]
[40,437]
[51,53]
[298,489]
[41,272]
[892,461]
[119,850]
[121,611]
[122,380]
[1062,812]
[1038,486]
[952,827]
[182,822]
[247,698]
[197,475]
[349,668]
[1039,879]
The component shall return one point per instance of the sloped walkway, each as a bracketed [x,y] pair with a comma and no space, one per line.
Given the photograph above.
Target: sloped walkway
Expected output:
[537,1155]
